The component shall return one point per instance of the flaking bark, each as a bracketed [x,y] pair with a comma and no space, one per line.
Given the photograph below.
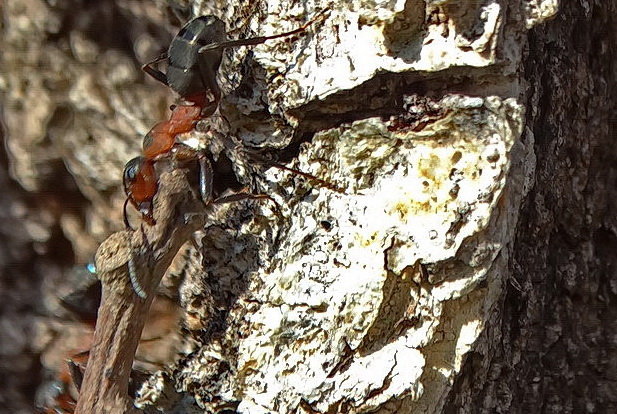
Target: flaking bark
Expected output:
[469,268]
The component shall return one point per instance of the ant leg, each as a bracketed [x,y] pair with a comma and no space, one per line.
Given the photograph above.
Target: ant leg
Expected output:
[244,195]
[310,177]
[125,216]
[233,146]
[206,176]
[155,73]
[323,183]
[182,152]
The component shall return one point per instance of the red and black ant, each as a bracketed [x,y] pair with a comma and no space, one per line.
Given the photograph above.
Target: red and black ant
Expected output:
[140,179]
[59,396]
[193,57]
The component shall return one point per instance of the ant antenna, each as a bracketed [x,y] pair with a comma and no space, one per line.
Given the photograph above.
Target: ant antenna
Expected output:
[260,39]
[125,215]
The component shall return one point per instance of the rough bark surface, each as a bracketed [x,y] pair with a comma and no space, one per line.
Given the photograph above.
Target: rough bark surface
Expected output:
[554,348]
[468,266]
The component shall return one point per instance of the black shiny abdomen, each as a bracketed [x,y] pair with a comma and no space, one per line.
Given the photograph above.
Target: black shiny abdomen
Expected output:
[190,72]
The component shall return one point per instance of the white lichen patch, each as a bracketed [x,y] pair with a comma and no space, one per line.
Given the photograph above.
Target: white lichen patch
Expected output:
[538,11]
[360,39]
[323,334]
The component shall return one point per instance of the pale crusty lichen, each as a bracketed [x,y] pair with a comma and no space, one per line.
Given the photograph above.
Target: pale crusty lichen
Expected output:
[326,292]
[374,297]
[361,39]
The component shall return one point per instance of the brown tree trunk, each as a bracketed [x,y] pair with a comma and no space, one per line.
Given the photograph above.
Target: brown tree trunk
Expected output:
[467,265]
[552,348]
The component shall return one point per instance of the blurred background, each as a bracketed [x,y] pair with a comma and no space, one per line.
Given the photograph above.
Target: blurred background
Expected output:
[74,106]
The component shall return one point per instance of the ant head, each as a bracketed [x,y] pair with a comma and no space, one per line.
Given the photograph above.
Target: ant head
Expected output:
[140,186]
[131,172]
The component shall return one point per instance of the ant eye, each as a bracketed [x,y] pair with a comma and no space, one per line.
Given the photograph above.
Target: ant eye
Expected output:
[132,168]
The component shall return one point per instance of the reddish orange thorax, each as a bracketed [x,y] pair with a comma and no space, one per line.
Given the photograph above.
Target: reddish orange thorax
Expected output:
[158,141]
[161,138]
[183,118]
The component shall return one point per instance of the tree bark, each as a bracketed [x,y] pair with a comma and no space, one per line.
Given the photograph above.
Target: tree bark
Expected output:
[468,265]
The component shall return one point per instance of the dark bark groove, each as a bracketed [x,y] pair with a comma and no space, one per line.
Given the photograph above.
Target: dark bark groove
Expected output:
[557,351]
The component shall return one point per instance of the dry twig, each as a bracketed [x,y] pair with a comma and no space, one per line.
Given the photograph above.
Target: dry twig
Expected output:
[122,314]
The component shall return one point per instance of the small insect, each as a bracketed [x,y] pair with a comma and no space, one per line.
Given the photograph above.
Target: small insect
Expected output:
[140,178]
[58,396]
[141,182]
[194,57]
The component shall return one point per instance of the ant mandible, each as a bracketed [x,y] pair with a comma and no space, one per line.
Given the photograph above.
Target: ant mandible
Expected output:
[194,57]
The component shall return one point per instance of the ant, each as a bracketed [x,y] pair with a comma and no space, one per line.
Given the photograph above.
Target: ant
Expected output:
[58,397]
[139,178]
[194,57]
